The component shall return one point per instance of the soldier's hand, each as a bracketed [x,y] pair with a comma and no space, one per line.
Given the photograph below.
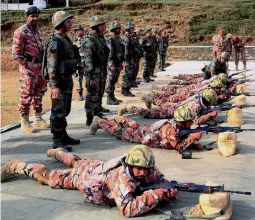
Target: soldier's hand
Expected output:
[55,93]
[196,136]
[166,193]
[92,83]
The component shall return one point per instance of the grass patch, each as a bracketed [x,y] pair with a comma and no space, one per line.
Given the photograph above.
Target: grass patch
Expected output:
[8,104]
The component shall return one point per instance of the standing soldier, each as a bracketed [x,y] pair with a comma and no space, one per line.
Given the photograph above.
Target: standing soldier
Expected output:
[79,31]
[27,49]
[129,60]
[154,50]
[227,45]
[239,43]
[61,65]
[96,56]
[146,43]
[218,44]
[115,59]
[138,55]
[162,45]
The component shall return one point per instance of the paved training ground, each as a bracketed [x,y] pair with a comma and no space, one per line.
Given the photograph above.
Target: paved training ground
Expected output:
[23,198]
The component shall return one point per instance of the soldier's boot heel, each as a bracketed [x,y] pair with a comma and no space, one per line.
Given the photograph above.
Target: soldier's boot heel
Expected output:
[89,118]
[40,122]
[58,144]
[94,125]
[26,126]
[111,100]
[12,168]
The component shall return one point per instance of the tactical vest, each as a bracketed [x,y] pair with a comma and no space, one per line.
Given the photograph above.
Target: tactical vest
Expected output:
[78,43]
[138,48]
[68,56]
[129,48]
[117,55]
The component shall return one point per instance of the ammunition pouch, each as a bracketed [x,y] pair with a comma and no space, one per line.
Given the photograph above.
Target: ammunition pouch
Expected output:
[68,66]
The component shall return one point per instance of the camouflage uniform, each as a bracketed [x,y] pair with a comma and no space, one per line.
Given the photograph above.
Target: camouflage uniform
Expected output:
[95,55]
[218,46]
[27,50]
[161,134]
[217,67]
[115,59]
[154,49]
[227,47]
[80,72]
[239,44]
[103,183]
[162,46]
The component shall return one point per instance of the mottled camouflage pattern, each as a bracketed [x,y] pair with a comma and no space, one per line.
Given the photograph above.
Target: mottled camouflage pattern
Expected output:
[238,45]
[140,156]
[216,67]
[129,57]
[216,84]
[183,113]
[115,59]
[162,47]
[210,95]
[165,136]
[138,56]
[28,43]
[223,77]
[218,46]
[227,47]
[96,55]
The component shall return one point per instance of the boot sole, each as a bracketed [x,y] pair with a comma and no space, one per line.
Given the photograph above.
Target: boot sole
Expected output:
[28,132]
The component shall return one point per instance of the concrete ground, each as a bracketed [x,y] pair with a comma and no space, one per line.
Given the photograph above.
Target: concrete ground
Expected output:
[23,198]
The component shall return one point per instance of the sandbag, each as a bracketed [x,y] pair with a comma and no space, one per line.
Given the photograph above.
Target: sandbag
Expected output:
[240,100]
[241,88]
[235,116]
[227,143]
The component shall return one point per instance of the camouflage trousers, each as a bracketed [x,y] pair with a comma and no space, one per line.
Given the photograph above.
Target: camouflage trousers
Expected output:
[136,69]
[217,52]
[154,62]
[102,84]
[113,73]
[148,66]
[162,99]
[61,107]
[162,59]
[79,79]
[165,112]
[128,130]
[237,55]
[127,76]
[32,90]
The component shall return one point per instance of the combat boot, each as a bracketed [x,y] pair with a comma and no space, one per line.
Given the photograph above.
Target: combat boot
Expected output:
[68,140]
[116,100]
[89,118]
[111,100]
[146,79]
[101,109]
[26,126]
[57,154]
[39,122]
[244,67]
[12,168]
[153,76]
[151,79]
[80,98]
[148,100]
[133,84]
[122,110]
[95,125]
[237,68]
[57,143]
[127,93]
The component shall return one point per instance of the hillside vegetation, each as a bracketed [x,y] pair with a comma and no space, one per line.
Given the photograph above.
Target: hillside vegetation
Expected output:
[187,22]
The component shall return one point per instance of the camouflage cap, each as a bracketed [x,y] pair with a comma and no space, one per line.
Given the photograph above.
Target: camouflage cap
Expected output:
[140,156]
[223,77]
[32,11]
[114,25]
[229,36]
[183,113]
[95,21]
[216,84]
[129,25]
[59,17]
[79,28]
[210,95]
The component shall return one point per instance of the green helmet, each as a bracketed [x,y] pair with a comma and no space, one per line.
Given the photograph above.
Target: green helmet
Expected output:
[183,113]
[223,77]
[59,17]
[95,21]
[148,30]
[210,95]
[140,156]
[216,84]
[114,25]
[139,32]
[129,25]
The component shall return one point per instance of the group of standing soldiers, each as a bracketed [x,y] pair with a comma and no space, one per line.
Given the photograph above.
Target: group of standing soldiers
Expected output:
[226,44]
[99,59]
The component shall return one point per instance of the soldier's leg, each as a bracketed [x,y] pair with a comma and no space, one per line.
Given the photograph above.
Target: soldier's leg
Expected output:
[39,91]
[163,60]
[243,55]
[153,65]
[127,78]
[79,79]
[146,69]
[112,78]
[150,113]
[236,59]
[102,84]
[160,65]
[27,85]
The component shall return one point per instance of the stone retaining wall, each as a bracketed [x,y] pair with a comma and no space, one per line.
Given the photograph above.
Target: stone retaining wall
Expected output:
[200,53]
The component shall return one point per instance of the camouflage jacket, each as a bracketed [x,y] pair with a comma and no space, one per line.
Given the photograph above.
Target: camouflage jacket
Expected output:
[239,43]
[27,44]
[218,41]
[61,59]
[129,47]
[162,44]
[79,42]
[95,55]
[227,45]
[138,48]
[216,67]
[149,45]
[116,50]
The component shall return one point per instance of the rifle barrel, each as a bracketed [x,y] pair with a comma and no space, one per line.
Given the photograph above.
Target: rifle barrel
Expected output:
[238,192]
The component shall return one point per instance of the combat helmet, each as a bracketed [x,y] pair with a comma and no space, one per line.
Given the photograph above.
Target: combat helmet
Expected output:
[210,96]
[95,21]
[183,113]
[140,156]
[114,25]
[217,84]
[129,25]
[223,77]
[59,17]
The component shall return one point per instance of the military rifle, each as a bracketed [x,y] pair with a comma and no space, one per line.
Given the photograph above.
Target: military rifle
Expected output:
[188,187]
[240,93]
[234,74]
[225,108]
